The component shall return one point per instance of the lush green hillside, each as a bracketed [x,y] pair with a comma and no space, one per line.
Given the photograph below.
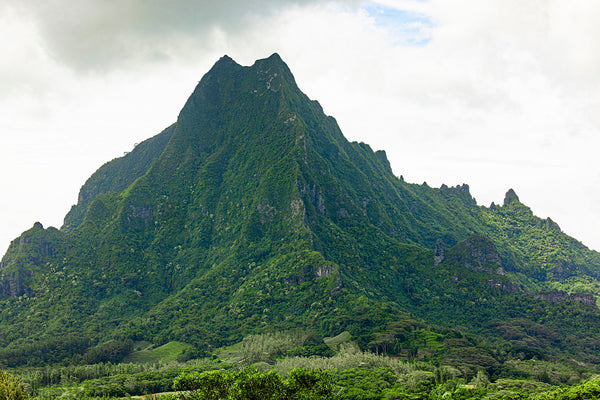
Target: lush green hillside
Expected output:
[253,214]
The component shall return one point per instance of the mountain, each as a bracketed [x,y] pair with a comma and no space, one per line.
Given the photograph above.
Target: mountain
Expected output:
[252,213]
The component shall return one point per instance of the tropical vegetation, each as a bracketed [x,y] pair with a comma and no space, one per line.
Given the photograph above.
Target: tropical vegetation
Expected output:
[253,222]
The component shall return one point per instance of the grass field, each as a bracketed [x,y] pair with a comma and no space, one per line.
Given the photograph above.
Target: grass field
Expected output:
[165,353]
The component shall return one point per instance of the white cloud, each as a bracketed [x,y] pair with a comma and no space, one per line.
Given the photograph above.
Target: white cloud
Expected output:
[98,35]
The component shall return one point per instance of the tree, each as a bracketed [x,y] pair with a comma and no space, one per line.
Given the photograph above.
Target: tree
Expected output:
[481,380]
[308,384]
[11,387]
[209,385]
[250,384]
[255,385]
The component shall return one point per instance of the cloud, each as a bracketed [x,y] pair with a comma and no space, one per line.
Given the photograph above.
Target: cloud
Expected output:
[21,55]
[95,35]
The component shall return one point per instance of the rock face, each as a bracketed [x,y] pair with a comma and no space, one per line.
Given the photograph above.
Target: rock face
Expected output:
[25,255]
[510,197]
[558,296]
[440,253]
[505,286]
[13,285]
[476,253]
[460,191]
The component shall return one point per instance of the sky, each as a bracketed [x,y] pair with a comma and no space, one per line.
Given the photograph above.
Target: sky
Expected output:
[497,94]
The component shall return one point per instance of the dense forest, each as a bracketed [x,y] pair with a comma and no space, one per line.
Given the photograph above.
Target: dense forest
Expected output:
[268,367]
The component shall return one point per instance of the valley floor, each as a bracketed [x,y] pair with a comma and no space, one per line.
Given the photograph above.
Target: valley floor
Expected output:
[347,374]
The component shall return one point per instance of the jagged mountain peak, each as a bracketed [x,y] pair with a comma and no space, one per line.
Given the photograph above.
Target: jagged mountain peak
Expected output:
[225,59]
[461,191]
[231,94]
[273,60]
[269,73]
[511,197]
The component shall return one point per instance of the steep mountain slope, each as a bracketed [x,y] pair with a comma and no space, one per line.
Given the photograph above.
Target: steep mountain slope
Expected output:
[253,213]
[117,175]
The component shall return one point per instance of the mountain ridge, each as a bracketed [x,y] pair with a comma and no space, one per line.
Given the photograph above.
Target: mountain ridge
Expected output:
[253,213]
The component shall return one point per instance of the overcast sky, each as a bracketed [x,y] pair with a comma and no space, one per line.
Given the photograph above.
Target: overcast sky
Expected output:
[497,94]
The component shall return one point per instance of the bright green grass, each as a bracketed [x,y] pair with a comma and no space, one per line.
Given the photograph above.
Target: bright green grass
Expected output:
[231,353]
[335,341]
[166,352]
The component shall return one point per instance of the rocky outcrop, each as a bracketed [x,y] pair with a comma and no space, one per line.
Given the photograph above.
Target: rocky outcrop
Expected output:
[476,253]
[549,224]
[505,286]
[558,296]
[440,253]
[13,285]
[26,254]
[460,191]
[32,244]
[510,197]
[321,271]
[324,271]
[314,196]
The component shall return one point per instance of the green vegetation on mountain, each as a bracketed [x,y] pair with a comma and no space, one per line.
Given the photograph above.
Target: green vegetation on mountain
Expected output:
[253,215]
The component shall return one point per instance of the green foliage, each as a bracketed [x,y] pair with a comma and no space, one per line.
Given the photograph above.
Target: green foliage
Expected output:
[170,351]
[116,175]
[107,379]
[11,387]
[304,384]
[250,384]
[208,385]
[348,375]
[335,342]
[348,358]
[256,386]
[253,217]
[268,346]
[112,351]
[481,380]
[587,390]
[52,350]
